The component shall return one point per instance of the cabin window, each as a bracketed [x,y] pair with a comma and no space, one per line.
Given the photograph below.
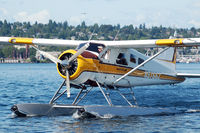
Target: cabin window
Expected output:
[121,59]
[132,58]
[140,60]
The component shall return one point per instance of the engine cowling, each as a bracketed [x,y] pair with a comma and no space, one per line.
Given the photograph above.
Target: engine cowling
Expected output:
[72,67]
[80,69]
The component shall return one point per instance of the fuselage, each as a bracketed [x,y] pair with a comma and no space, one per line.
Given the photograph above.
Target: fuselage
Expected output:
[89,67]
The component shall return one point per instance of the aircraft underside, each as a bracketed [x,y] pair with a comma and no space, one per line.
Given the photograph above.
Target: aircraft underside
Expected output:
[130,81]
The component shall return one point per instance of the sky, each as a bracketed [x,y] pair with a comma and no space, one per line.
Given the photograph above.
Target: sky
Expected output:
[168,13]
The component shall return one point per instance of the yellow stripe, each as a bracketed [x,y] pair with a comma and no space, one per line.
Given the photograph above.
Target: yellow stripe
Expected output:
[166,77]
[21,40]
[169,42]
[95,66]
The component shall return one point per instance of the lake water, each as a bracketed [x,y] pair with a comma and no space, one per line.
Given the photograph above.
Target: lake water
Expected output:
[36,83]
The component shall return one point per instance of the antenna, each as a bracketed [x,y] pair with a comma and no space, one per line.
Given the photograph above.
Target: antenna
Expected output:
[175,34]
[116,35]
[92,35]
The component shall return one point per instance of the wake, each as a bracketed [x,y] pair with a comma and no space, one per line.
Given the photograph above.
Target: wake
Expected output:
[108,112]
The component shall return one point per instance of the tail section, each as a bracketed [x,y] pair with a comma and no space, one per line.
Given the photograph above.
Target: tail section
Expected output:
[168,59]
[168,56]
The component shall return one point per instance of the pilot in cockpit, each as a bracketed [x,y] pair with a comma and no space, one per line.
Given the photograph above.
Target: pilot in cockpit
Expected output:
[100,49]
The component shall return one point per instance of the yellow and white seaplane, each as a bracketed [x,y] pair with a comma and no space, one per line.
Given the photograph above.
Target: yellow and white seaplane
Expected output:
[108,65]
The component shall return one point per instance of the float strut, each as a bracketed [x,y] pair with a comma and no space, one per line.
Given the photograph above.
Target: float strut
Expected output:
[53,98]
[104,94]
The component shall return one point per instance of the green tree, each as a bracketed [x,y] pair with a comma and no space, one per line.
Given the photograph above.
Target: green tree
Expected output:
[33,59]
[1,54]
[8,51]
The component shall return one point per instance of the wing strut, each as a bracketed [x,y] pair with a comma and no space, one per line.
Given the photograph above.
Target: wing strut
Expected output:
[146,61]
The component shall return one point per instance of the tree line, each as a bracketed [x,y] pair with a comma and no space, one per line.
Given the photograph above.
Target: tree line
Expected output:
[62,30]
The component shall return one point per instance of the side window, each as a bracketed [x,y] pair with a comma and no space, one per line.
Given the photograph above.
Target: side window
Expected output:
[132,58]
[121,59]
[140,60]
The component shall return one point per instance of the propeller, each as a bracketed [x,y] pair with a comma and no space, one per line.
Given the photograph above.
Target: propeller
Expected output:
[67,83]
[66,63]
[80,51]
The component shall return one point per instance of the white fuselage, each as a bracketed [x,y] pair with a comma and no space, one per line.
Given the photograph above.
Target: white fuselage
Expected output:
[107,70]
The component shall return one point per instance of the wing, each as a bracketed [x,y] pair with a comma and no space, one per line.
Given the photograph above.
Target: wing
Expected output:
[184,42]
[188,75]
[43,42]
[181,42]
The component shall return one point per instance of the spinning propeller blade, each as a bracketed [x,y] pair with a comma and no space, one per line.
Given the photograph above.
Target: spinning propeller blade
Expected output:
[80,51]
[67,83]
[49,56]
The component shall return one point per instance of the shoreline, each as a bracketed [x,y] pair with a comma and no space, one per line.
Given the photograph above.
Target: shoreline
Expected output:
[20,61]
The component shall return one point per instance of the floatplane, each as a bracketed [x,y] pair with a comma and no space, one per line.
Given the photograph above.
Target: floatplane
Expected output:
[107,65]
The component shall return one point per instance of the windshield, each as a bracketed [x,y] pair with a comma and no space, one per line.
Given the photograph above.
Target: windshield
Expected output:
[93,47]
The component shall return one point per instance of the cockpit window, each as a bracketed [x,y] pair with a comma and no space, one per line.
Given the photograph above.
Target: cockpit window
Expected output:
[132,58]
[94,47]
[80,45]
[121,59]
